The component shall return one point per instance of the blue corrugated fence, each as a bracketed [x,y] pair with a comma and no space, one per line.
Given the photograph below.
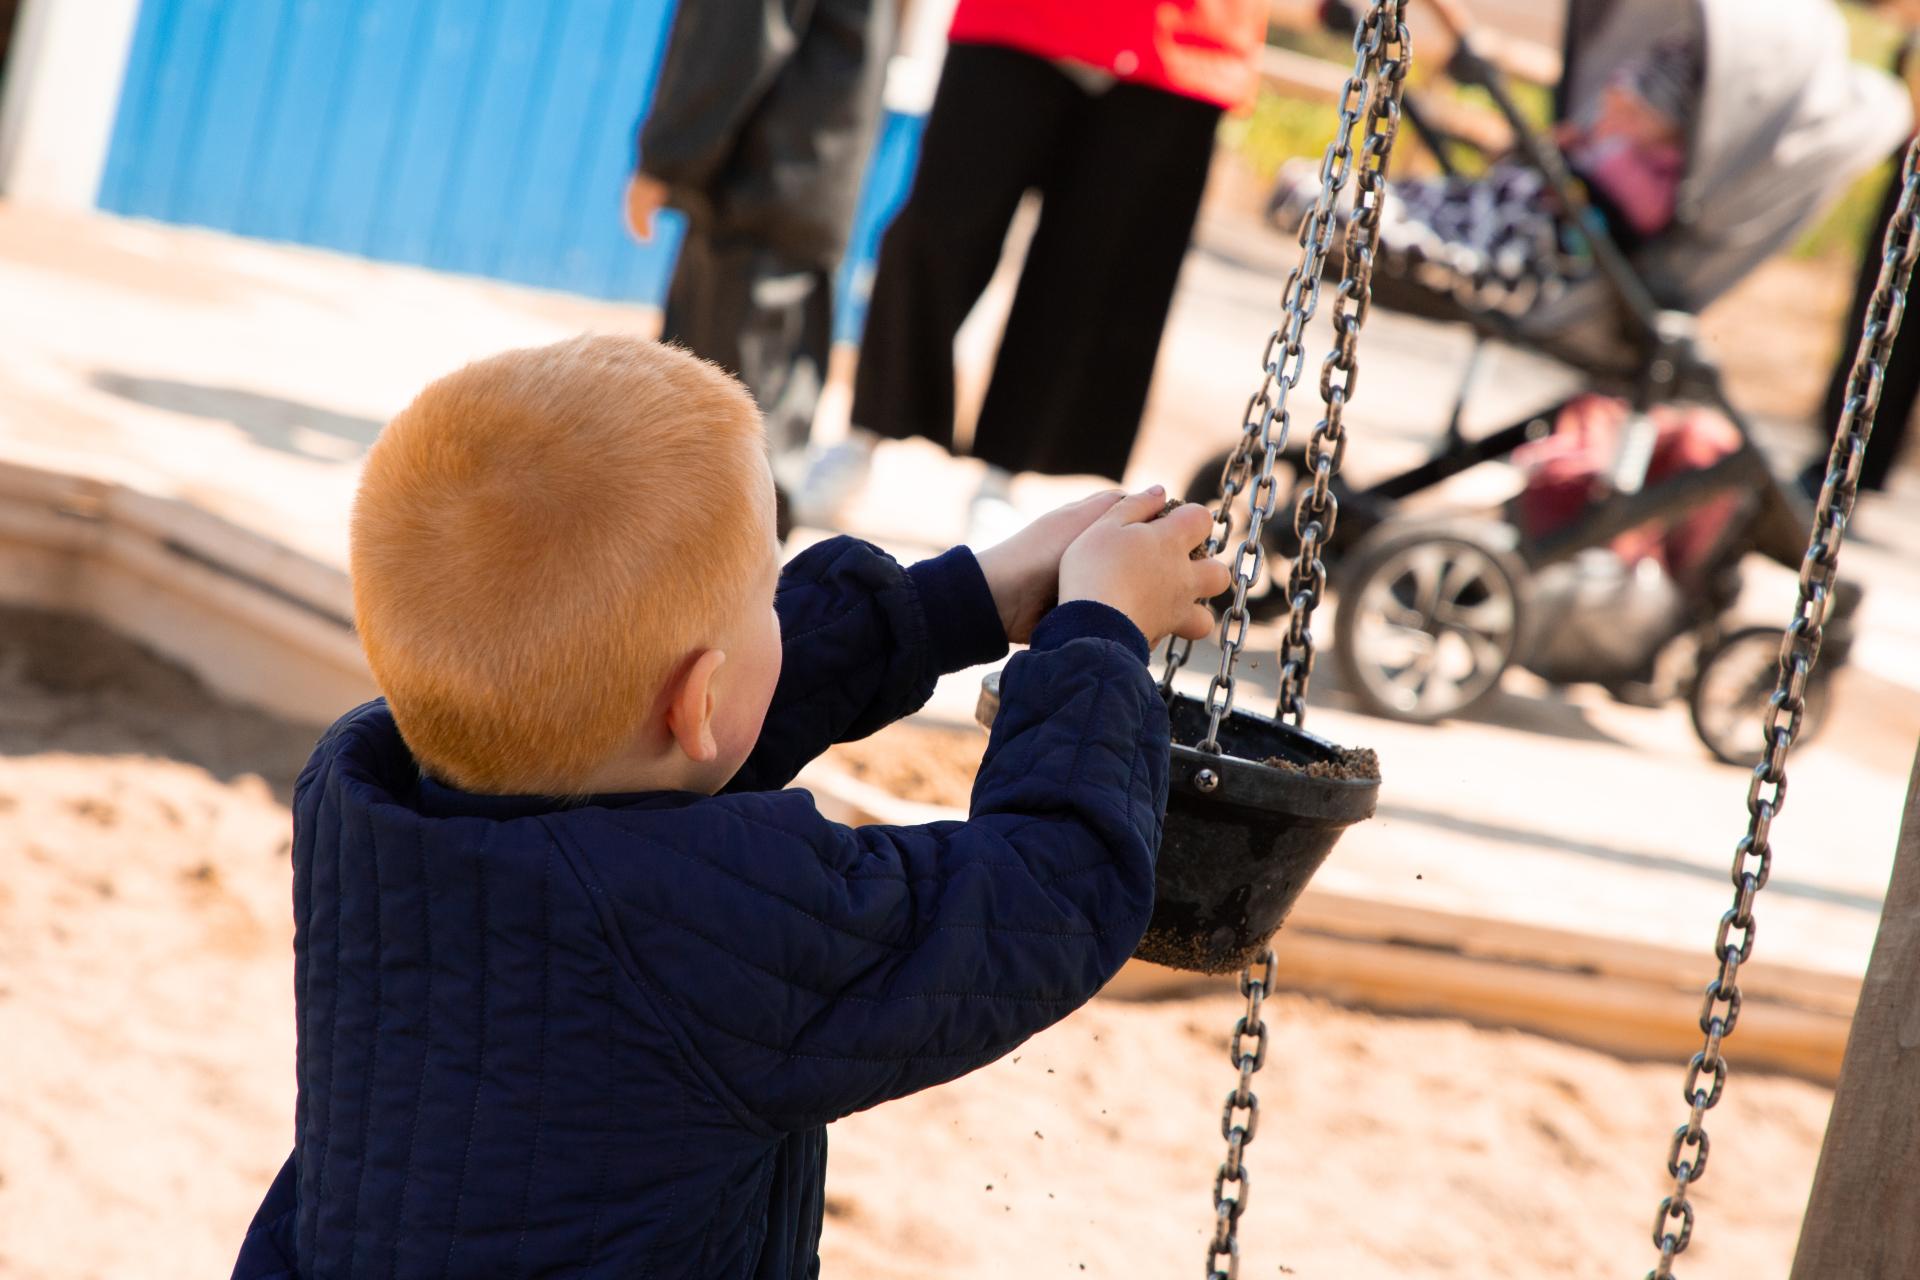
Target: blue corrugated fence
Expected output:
[491,137]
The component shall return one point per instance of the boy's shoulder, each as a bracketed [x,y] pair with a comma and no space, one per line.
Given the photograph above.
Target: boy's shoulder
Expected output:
[668,864]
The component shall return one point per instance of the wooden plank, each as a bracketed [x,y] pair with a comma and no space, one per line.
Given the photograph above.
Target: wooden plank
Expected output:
[1610,1012]
[1522,59]
[1530,55]
[257,621]
[1863,1216]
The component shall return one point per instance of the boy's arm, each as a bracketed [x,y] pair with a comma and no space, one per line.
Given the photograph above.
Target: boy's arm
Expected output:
[811,970]
[863,641]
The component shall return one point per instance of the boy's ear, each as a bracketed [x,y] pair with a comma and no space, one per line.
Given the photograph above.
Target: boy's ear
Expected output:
[690,709]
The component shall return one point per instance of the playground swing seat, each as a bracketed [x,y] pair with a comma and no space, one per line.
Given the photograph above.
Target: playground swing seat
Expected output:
[1620,561]
[1257,804]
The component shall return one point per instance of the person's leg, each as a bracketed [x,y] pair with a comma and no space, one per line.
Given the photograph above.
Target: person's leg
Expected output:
[706,298]
[1900,388]
[755,289]
[993,121]
[760,315]
[1899,391]
[1116,214]
[785,336]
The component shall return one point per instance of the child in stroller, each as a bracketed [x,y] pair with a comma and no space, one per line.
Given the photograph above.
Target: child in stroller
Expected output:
[1500,240]
[1692,141]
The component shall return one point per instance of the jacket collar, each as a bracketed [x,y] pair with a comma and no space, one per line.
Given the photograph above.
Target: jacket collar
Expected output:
[433,799]
[373,749]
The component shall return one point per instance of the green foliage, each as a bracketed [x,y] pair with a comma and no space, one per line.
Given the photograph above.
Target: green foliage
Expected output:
[1278,130]
[1840,233]
[1842,230]
[1871,34]
[1534,100]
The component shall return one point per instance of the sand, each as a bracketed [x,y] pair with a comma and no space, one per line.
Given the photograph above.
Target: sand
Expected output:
[914,762]
[146,1034]
[146,1076]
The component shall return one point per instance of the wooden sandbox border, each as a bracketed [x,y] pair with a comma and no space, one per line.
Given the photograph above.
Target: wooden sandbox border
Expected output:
[268,625]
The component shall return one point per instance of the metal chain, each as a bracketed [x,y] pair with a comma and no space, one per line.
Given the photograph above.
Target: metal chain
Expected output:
[1229,1205]
[1317,509]
[1373,89]
[1799,651]
[1265,423]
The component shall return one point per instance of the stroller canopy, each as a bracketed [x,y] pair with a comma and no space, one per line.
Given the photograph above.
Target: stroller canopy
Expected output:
[1784,121]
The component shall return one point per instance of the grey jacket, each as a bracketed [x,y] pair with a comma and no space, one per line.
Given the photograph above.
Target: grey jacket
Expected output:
[764,115]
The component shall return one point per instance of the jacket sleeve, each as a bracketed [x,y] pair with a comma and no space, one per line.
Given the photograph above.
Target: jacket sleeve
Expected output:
[721,58]
[825,969]
[863,642]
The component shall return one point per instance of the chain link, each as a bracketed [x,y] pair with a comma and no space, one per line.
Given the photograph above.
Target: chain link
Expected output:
[1372,91]
[1232,1183]
[1799,651]
[1315,513]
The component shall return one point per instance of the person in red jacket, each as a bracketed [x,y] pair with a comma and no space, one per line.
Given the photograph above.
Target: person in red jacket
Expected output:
[1106,108]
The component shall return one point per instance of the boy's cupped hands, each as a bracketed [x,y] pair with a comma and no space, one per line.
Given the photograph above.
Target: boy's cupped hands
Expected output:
[1115,549]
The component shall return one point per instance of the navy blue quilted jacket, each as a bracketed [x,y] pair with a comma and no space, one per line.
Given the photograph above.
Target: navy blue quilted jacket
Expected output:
[604,1039]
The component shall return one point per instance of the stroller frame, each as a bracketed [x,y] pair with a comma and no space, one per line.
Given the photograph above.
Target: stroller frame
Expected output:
[1663,363]
[1671,365]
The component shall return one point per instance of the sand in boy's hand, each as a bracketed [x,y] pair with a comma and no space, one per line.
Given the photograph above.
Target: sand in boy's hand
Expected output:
[1173,505]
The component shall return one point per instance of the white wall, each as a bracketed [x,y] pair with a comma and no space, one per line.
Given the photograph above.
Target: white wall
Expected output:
[62,89]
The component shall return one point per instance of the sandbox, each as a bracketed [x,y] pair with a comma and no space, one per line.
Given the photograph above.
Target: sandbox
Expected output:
[145,965]
[145,962]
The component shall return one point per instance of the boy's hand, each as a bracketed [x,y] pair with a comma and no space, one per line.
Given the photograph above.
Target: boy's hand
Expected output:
[1140,565]
[1024,571]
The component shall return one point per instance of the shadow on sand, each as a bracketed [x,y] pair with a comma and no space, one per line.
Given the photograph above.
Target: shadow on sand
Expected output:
[304,430]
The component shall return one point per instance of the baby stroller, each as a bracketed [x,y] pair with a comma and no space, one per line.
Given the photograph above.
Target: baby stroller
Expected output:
[1434,610]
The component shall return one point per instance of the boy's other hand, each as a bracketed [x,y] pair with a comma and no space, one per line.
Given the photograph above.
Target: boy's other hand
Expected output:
[646,196]
[1024,571]
[1141,565]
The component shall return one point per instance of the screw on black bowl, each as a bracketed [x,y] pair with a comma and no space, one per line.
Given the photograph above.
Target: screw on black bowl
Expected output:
[1206,781]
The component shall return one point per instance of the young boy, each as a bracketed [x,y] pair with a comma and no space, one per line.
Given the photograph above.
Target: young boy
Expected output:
[578,984]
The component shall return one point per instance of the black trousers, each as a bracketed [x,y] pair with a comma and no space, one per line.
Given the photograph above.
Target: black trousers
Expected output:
[1120,174]
[1901,386]
[763,315]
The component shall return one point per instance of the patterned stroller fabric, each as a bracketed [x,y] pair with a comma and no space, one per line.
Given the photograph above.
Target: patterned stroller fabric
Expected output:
[1707,135]
[1501,242]
[1493,242]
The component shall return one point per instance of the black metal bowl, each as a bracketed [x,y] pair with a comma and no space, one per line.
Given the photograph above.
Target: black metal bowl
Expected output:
[1242,837]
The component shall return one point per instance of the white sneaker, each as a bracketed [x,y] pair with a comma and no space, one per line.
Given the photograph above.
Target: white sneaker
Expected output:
[835,475]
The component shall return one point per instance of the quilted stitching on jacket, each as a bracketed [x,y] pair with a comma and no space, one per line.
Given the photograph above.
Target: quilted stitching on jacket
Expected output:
[604,1039]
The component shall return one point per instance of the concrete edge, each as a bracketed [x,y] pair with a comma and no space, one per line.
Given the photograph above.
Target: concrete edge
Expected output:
[255,620]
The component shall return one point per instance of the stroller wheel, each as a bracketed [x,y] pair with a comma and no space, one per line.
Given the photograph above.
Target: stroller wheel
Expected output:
[1430,617]
[1265,599]
[1728,703]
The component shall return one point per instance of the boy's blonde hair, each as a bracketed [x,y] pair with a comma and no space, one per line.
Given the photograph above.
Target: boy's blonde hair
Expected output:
[540,539]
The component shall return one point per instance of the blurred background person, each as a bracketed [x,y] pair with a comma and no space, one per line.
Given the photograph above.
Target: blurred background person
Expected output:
[1107,111]
[1901,386]
[759,132]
